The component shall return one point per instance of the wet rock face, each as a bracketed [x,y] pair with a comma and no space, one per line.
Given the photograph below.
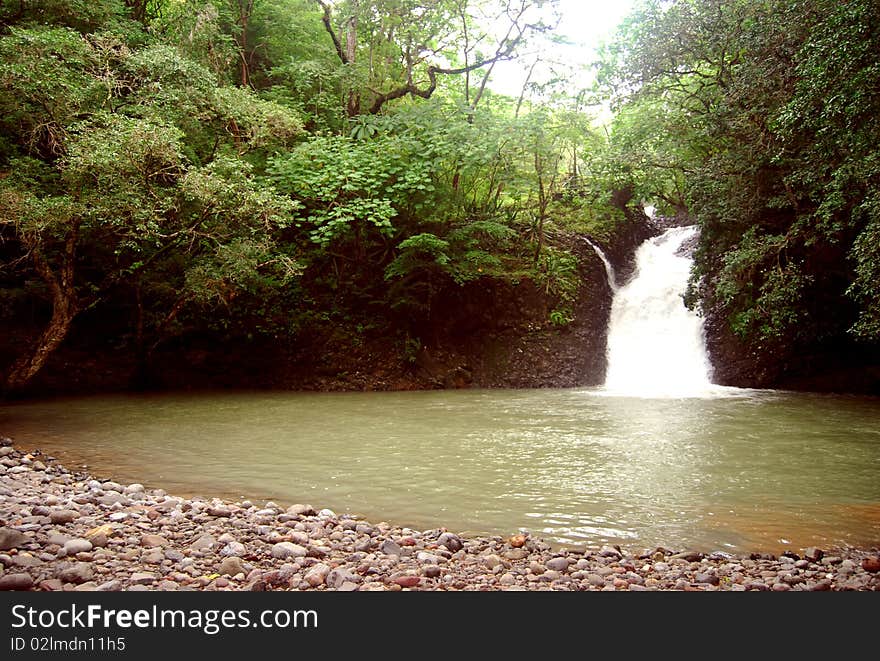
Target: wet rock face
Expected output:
[734,363]
[500,335]
[162,542]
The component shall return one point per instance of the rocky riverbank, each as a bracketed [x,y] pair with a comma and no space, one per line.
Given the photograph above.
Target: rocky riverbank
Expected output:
[64,530]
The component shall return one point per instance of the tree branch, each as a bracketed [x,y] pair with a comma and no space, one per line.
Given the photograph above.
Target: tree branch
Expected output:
[328,25]
[425,93]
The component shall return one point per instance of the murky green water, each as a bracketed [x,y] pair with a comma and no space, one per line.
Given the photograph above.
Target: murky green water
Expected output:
[739,471]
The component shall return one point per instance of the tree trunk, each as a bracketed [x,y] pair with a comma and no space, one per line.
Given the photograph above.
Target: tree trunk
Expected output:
[525,87]
[480,91]
[26,367]
[65,307]
[245,9]
[353,106]
[245,79]
[138,10]
[542,206]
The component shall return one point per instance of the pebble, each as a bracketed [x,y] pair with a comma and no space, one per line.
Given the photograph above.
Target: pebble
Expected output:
[12,539]
[317,575]
[203,542]
[813,554]
[871,564]
[596,580]
[77,545]
[301,510]
[153,541]
[16,582]
[153,557]
[846,567]
[80,572]
[233,549]
[230,567]
[450,541]
[389,547]
[63,516]
[688,556]
[112,498]
[337,578]
[709,579]
[406,581]
[51,585]
[558,564]
[142,578]
[284,550]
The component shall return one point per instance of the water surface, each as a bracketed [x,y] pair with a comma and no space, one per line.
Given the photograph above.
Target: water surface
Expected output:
[738,470]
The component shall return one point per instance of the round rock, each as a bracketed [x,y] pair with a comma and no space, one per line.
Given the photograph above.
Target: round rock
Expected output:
[12,539]
[16,582]
[77,545]
[558,564]
[63,516]
[154,541]
[231,567]
[450,541]
[283,550]
[80,572]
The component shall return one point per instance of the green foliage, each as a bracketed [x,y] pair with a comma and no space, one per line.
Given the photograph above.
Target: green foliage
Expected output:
[46,78]
[419,252]
[466,254]
[123,171]
[557,273]
[199,31]
[241,266]
[84,16]
[866,286]
[347,184]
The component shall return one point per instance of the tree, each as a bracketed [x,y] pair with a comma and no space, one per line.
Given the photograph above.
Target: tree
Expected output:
[407,39]
[104,180]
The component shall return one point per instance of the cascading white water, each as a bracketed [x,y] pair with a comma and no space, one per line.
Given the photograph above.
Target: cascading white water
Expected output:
[656,346]
[609,270]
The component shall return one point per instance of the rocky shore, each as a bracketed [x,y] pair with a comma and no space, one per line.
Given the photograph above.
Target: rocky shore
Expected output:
[64,530]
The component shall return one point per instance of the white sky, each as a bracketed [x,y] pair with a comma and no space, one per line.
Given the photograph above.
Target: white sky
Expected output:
[585,23]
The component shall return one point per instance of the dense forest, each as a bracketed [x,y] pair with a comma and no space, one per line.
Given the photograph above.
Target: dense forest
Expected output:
[335,188]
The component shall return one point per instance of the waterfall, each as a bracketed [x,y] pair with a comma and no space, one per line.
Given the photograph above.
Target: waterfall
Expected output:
[609,270]
[656,346]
